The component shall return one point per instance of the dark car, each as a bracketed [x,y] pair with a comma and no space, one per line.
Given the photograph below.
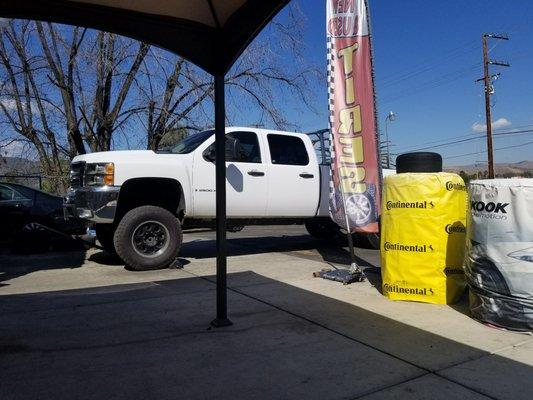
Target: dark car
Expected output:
[23,212]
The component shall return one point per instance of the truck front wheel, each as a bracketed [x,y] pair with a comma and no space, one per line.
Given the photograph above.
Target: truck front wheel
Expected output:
[147,238]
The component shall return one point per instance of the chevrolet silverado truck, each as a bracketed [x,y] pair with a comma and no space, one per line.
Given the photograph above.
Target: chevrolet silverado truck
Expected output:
[140,201]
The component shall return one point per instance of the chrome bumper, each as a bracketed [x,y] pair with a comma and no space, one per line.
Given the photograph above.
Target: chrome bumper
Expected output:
[97,204]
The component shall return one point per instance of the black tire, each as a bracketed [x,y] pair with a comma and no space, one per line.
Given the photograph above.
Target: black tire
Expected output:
[323,229]
[491,277]
[104,234]
[148,238]
[419,162]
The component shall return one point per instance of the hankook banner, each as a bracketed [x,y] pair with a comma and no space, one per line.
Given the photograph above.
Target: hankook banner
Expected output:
[354,187]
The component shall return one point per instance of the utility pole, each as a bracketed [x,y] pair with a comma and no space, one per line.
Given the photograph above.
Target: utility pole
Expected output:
[390,117]
[489,90]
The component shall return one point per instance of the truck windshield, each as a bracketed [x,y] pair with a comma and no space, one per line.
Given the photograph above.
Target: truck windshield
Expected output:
[188,144]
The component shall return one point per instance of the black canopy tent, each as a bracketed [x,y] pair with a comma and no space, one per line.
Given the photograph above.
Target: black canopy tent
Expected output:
[210,33]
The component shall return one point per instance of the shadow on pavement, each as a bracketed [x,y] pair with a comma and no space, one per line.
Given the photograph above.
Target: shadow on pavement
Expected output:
[153,341]
[105,258]
[332,252]
[109,259]
[15,265]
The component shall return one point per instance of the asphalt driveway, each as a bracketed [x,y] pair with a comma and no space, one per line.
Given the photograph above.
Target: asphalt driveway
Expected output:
[78,325]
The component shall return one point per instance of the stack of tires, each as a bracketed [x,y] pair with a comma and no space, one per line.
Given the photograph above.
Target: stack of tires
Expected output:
[423,231]
[499,262]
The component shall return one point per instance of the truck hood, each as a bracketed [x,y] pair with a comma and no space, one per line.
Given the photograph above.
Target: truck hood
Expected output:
[115,156]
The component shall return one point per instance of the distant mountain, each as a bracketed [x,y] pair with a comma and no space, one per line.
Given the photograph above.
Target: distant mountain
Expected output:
[522,168]
[524,164]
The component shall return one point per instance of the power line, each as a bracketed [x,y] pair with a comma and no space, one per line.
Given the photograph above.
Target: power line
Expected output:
[525,132]
[431,84]
[470,136]
[428,65]
[411,148]
[481,152]
[435,83]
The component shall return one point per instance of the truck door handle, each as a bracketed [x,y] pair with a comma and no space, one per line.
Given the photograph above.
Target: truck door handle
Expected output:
[256,173]
[305,175]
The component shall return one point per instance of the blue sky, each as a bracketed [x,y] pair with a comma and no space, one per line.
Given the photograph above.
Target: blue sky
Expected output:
[427,57]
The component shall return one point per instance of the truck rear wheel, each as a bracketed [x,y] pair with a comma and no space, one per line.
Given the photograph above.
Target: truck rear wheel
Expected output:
[323,228]
[373,240]
[147,238]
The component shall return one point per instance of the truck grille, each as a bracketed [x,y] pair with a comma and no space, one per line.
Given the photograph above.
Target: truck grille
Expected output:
[77,171]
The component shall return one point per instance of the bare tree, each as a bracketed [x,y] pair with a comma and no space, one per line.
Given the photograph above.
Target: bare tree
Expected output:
[172,90]
[68,90]
[21,103]
[273,69]
[178,95]
[57,104]
[108,110]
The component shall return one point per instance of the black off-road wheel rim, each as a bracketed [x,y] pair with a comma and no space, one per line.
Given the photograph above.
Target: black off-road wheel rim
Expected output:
[150,239]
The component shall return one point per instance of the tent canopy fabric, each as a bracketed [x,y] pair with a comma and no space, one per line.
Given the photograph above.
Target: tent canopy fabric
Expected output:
[210,33]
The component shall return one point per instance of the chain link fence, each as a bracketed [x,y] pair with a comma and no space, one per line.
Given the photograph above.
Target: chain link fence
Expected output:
[54,184]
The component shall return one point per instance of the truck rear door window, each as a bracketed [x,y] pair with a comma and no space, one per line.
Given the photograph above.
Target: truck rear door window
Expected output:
[287,150]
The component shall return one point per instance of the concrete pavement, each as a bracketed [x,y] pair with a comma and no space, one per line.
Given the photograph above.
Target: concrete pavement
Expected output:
[80,326]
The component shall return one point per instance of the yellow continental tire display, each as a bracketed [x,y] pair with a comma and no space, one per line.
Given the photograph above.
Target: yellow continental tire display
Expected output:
[423,237]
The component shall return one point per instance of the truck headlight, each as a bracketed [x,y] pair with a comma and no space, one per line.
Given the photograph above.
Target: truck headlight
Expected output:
[100,174]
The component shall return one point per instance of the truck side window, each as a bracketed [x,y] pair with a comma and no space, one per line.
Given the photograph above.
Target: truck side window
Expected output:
[250,151]
[287,150]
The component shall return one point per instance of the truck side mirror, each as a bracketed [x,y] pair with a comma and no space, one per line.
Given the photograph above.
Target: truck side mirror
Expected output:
[233,149]
[210,153]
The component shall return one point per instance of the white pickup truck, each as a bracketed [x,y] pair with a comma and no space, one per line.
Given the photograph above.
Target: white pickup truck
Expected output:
[141,200]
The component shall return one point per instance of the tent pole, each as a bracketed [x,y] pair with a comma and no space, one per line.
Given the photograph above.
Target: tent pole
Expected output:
[220,186]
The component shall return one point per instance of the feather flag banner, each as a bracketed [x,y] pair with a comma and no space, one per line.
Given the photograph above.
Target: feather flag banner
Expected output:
[354,185]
